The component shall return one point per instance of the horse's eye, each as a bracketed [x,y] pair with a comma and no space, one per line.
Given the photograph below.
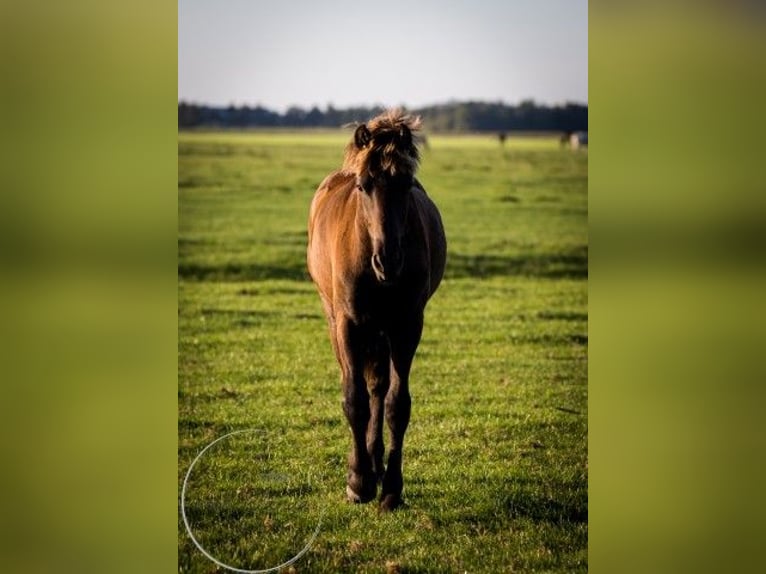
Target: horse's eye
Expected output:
[364,185]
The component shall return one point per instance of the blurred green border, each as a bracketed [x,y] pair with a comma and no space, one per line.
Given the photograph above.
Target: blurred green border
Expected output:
[88,286]
[677,221]
[88,291]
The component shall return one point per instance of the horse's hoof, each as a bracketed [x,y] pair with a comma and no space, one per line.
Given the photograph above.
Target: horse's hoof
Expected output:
[358,498]
[352,496]
[390,502]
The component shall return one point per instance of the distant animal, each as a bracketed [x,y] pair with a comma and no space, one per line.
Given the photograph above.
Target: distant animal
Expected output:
[564,141]
[578,140]
[376,252]
[501,137]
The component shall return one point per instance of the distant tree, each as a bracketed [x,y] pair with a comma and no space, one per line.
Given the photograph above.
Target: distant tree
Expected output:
[188,115]
[332,117]
[314,117]
[452,116]
[294,117]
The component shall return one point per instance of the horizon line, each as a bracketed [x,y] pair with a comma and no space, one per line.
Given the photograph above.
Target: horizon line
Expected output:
[379,105]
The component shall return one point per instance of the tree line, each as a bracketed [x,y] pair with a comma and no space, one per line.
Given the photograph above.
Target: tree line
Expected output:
[448,117]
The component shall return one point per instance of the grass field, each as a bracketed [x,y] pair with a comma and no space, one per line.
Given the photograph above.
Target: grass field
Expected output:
[495,459]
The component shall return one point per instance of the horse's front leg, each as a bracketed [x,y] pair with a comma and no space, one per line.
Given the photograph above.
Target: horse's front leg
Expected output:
[377,375]
[361,482]
[404,342]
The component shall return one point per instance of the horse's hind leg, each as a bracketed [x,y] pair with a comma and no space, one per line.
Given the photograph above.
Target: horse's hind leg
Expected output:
[404,342]
[377,376]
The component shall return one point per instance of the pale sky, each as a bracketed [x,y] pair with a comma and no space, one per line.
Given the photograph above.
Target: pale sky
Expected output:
[279,53]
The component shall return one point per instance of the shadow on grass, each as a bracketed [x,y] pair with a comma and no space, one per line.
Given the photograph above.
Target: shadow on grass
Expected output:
[243,508]
[551,340]
[240,317]
[292,267]
[271,290]
[567,182]
[526,500]
[234,272]
[562,315]
[572,264]
[522,504]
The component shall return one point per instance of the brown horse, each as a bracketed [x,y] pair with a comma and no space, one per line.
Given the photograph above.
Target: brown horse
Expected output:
[376,252]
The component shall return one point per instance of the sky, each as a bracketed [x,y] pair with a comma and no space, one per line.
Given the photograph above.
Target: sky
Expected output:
[282,53]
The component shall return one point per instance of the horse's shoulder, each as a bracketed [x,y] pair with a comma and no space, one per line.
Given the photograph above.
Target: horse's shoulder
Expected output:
[327,192]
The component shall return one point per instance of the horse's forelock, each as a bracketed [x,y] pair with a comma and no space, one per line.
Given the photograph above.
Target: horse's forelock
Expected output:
[392,146]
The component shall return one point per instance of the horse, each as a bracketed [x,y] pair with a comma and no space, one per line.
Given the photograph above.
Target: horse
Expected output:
[579,139]
[376,253]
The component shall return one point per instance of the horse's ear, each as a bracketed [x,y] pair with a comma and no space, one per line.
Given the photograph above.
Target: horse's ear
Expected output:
[405,135]
[362,136]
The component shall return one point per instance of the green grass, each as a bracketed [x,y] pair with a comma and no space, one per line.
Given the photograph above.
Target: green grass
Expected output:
[496,452]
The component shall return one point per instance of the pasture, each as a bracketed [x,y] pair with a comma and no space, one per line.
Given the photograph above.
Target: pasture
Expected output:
[495,458]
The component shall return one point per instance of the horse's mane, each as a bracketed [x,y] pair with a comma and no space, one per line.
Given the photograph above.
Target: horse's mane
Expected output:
[386,144]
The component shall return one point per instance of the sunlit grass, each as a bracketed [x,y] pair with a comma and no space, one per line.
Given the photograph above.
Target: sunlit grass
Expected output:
[496,454]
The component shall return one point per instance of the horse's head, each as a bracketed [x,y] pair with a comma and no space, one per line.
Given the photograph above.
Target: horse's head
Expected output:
[385,202]
[384,156]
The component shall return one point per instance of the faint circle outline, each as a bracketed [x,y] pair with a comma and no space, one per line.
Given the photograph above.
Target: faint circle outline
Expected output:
[210,556]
